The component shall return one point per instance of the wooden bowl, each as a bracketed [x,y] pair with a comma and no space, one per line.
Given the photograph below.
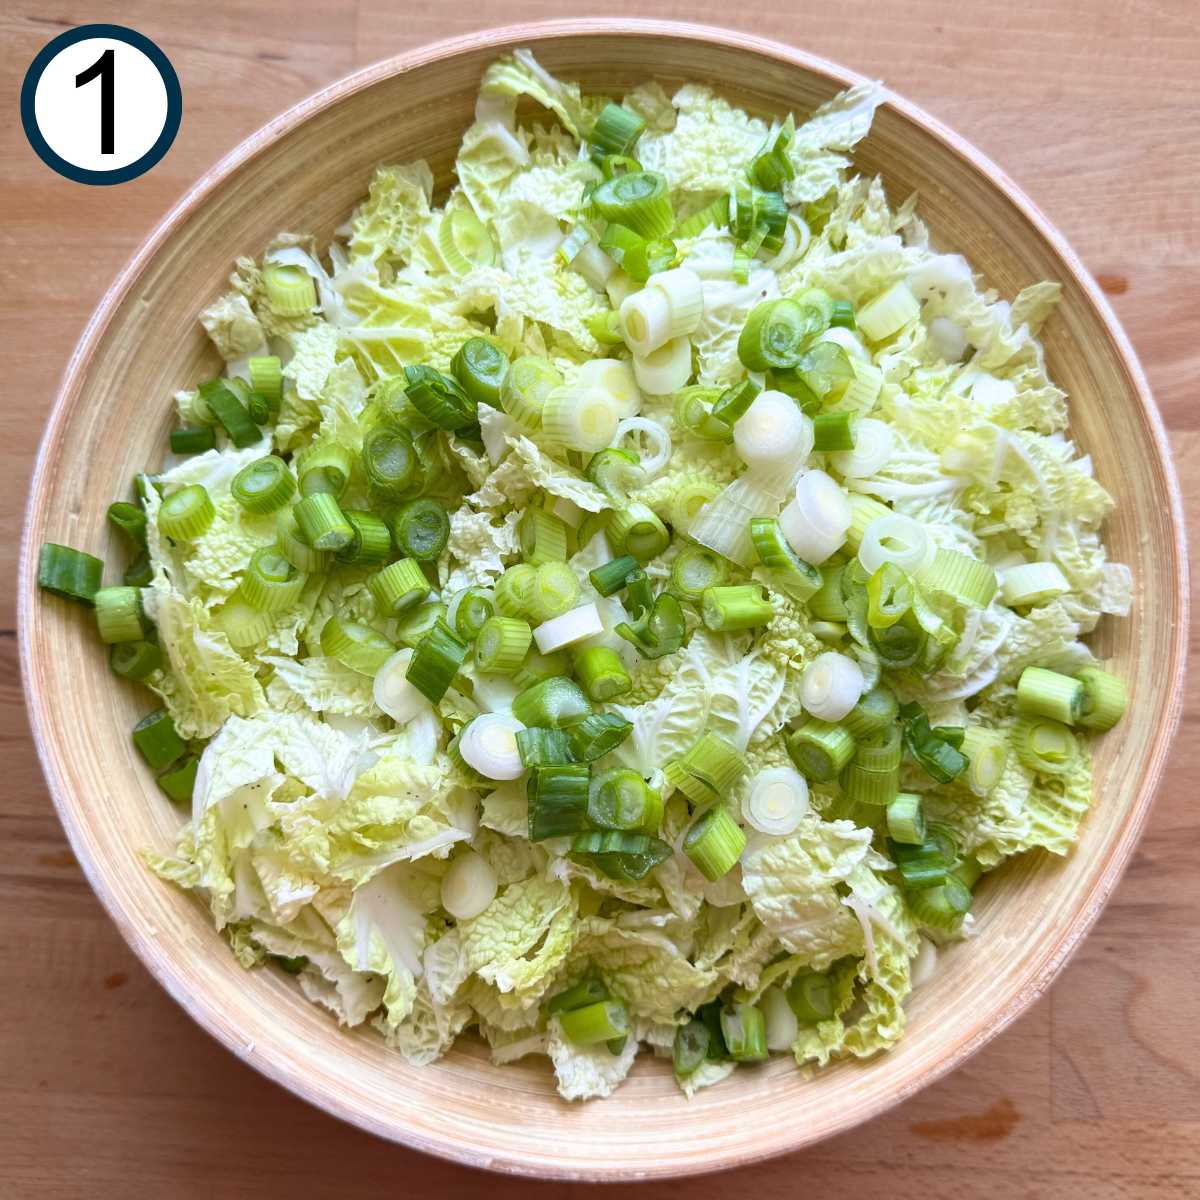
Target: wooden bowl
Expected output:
[304,171]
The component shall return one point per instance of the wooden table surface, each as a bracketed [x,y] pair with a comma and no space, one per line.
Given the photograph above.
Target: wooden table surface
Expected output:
[1093,106]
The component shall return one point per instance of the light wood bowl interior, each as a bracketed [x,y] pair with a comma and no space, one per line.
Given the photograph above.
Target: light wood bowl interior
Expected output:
[304,172]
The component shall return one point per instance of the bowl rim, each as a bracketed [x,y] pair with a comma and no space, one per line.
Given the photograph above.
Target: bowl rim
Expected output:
[1024,992]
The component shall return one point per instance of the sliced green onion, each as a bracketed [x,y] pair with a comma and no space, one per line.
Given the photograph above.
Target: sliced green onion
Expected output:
[293,544]
[690,1048]
[585,992]
[875,711]
[986,752]
[937,756]
[941,907]
[514,590]
[263,486]
[580,418]
[556,703]
[609,578]
[760,214]
[842,316]
[266,378]
[882,751]
[543,537]
[372,542]
[192,439]
[488,745]
[324,467]
[436,661]
[616,130]
[621,799]
[888,313]
[695,570]
[243,625]
[639,200]
[421,529]
[716,761]
[637,530]
[776,801]
[270,583]
[738,606]
[230,412]
[157,740]
[356,645]
[889,596]
[187,513]
[321,522]
[399,586]
[821,750]
[501,644]
[415,622]
[1042,693]
[179,783]
[906,819]
[480,366]
[537,667]
[772,166]
[964,579]
[694,412]
[812,997]
[135,660]
[614,472]
[596,735]
[865,512]
[1046,746]
[468,612]
[619,854]
[527,384]
[1105,698]
[714,842]
[291,290]
[602,674]
[699,793]
[876,788]
[799,579]
[558,796]
[744,1028]
[594,1024]
[68,572]
[828,604]
[463,240]
[119,614]
[922,866]
[439,398]
[968,872]
[834,431]
[130,519]
[605,327]
[389,461]
[775,334]
[658,630]
[637,257]
[1028,584]
[543,747]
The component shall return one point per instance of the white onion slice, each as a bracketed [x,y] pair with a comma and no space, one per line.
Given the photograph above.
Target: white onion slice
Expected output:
[571,627]
[468,886]
[655,452]
[816,520]
[495,693]
[773,431]
[645,318]
[831,686]
[796,239]
[782,1026]
[776,801]
[873,445]
[394,694]
[489,745]
[894,539]
[666,369]
[685,298]
[614,376]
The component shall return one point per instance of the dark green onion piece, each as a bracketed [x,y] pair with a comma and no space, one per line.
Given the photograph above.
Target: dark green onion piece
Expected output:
[609,578]
[621,855]
[155,737]
[135,660]
[372,542]
[744,1027]
[264,485]
[775,334]
[937,757]
[596,735]
[130,519]
[735,607]
[187,513]
[658,630]
[140,572]
[690,1049]
[842,316]
[472,611]
[436,661]
[544,747]
[68,572]
[811,997]
[119,614]
[193,439]
[833,431]
[558,795]
[389,461]
[616,130]
[421,529]
[941,907]
[439,398]
[230,412]
[480,367]
[180,782]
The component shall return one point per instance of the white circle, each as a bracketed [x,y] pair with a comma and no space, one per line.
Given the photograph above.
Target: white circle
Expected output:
[68,116]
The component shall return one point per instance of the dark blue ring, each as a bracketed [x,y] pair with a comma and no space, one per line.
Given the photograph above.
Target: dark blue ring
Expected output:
[166,72]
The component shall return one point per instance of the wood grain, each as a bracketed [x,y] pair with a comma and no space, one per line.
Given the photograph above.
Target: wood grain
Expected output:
[1103,1103]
